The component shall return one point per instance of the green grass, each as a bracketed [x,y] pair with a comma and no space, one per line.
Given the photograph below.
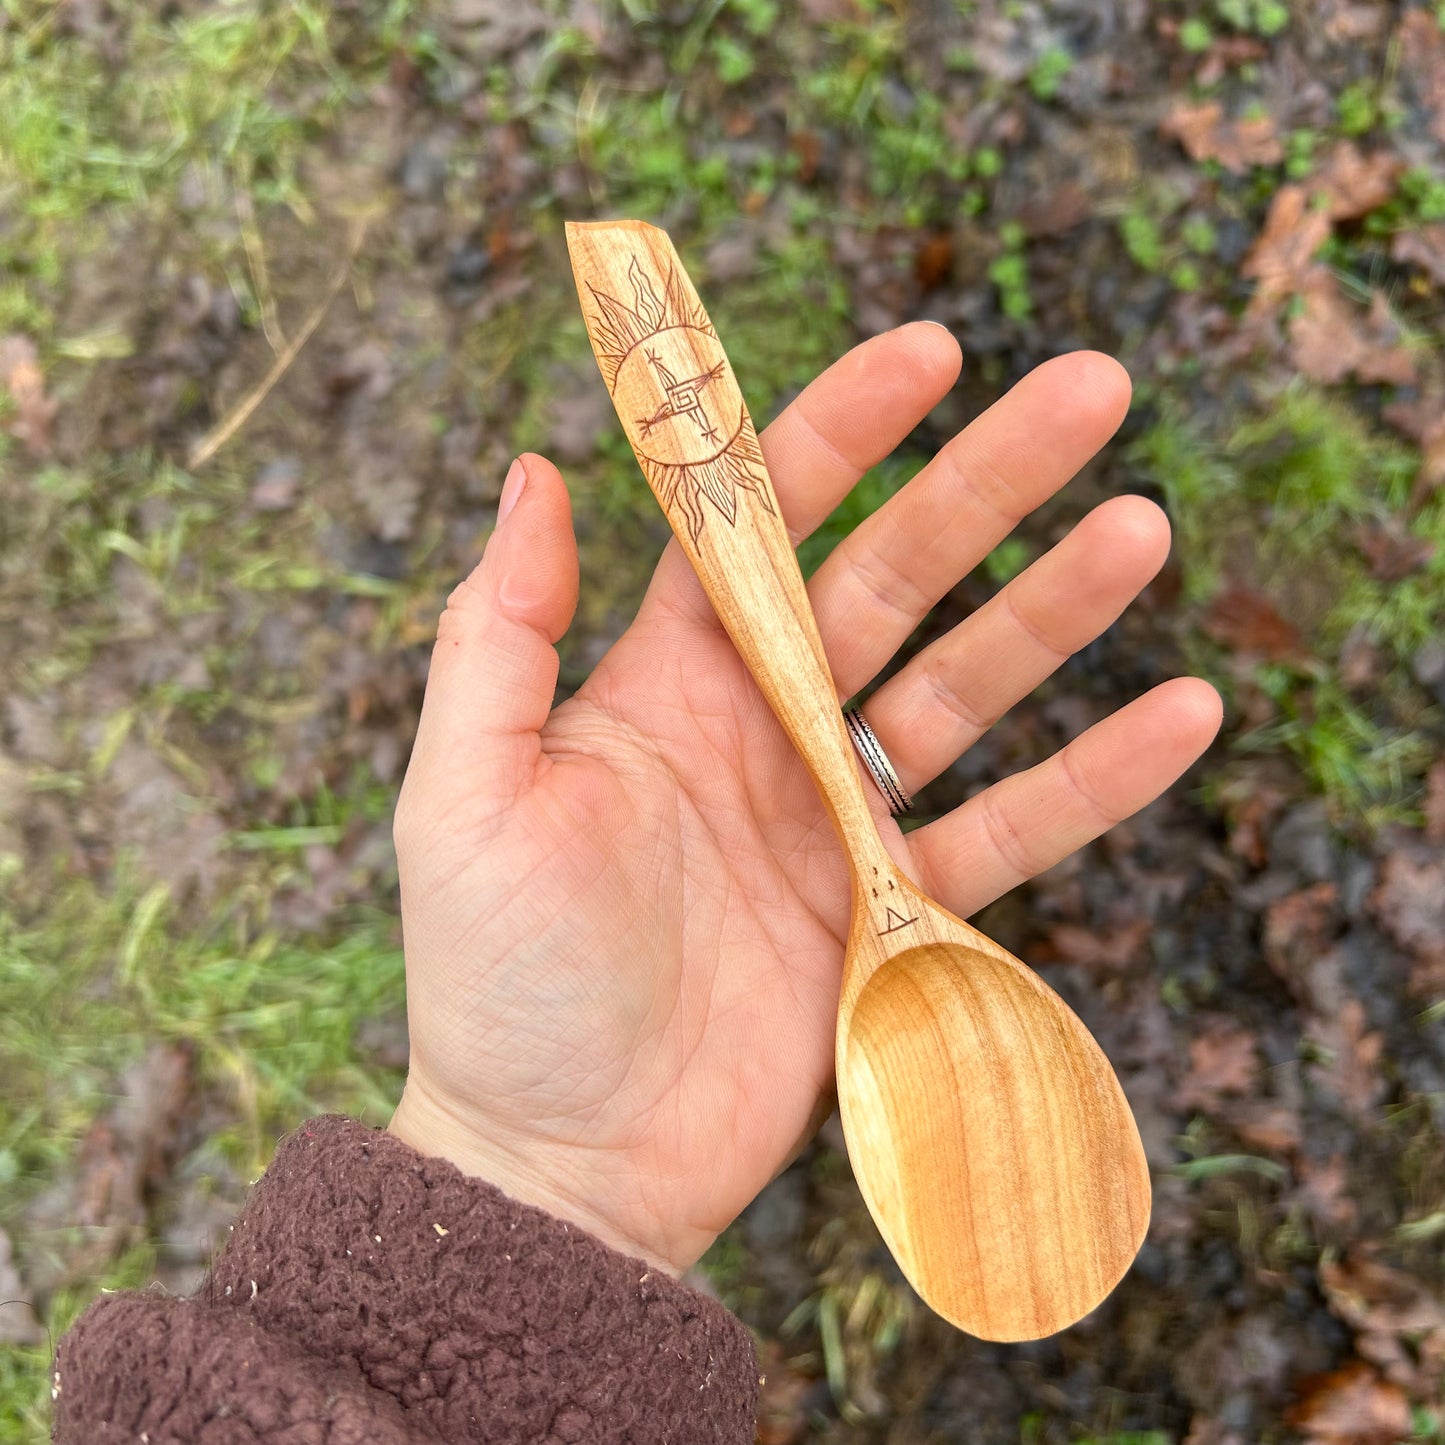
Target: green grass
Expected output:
[1009,272]
[1427,1426]
[25,1372]
[1033,1431]
[1049,72]
[99,975]
[1127,1437]
[1278,506]
[870,493]
[1217,1165]
[209,97]
[98,978]
[238,109]
[1262,17]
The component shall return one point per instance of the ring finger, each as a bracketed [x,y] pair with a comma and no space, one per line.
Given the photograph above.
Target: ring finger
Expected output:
[880,581]
[948,696]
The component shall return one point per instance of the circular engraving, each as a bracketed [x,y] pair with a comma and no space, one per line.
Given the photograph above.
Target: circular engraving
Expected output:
[672,386]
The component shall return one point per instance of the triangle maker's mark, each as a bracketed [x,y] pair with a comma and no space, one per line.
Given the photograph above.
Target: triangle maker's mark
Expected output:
[896,921]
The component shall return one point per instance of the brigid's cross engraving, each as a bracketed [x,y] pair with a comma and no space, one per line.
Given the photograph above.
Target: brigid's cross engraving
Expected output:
[649,352]
[682,398]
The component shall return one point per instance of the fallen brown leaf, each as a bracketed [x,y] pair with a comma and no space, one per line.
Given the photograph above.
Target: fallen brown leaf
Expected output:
[1409,902]
[1297,931]
[1399,1320]
[1343,21]
[14,789]
[933,261]
[1419,417]
[1423,420]
[1247,621]
[1252,800]
[1330,337]
[782,1400]
[1231,1354]
[1224,1059]
[807,145]
[1323,1192]
[1283,256]
[1110,949]
[1353,1405]
[1435,803]
[140,1133]
[180,843]
[1228,52]
[1351,1071]
[1423,246]
[1204,1431]
[500,25]
[124,1155]
[18,1325]
[1392,552]
[1236,144]
[1384,355]
[1273,1128]
[1361,661]
[825,12]
[1354,184]
[740,120]
[21,376]
[1055,210]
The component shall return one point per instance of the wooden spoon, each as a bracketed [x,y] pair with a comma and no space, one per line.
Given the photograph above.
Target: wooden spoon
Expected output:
[987,1131]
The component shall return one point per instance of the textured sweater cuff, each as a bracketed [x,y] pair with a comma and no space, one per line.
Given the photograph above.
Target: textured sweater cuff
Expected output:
[485,1319]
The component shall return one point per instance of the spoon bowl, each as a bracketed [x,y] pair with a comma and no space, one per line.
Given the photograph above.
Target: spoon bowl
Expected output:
[988,1133]
[989,1136]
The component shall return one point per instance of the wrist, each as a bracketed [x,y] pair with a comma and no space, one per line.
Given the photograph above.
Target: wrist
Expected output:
[532,1172]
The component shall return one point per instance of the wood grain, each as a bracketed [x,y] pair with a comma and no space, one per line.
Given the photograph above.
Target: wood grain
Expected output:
[985,1126]
[651,335]
[989,1136]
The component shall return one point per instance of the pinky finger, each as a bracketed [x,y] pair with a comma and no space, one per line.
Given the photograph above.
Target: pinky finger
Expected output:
[1027,823]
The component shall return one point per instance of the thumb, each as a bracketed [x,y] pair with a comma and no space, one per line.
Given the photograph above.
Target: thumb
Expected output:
[494,667]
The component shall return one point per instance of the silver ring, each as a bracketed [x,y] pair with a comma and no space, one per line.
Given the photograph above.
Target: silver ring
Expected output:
[876,761]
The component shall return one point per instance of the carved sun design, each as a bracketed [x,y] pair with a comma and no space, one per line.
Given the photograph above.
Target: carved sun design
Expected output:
[661,357]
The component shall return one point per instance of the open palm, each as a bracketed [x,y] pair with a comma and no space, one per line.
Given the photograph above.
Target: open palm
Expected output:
[625,917]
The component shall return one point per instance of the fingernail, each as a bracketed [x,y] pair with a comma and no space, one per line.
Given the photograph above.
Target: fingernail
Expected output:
[929,321]
[512,489]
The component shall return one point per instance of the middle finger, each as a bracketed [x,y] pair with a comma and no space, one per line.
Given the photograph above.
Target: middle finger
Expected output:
[881,580]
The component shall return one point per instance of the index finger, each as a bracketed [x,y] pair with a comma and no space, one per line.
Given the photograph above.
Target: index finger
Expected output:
[842,423]
[853,415]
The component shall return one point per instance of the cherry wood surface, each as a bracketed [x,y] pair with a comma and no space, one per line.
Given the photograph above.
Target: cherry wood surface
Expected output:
[987,1131]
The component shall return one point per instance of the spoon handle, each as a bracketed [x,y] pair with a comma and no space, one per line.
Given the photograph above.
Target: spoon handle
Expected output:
[684,414]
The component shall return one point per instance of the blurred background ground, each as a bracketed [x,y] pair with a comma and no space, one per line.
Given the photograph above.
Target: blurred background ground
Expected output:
[215,636]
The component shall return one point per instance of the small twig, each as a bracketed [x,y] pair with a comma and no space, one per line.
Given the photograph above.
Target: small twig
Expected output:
[240,414]
[260,277]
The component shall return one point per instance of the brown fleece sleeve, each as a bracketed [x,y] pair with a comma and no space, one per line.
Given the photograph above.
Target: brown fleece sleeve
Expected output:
[370,1294]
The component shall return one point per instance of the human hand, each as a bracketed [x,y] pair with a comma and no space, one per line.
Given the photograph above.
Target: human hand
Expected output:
[625,917]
